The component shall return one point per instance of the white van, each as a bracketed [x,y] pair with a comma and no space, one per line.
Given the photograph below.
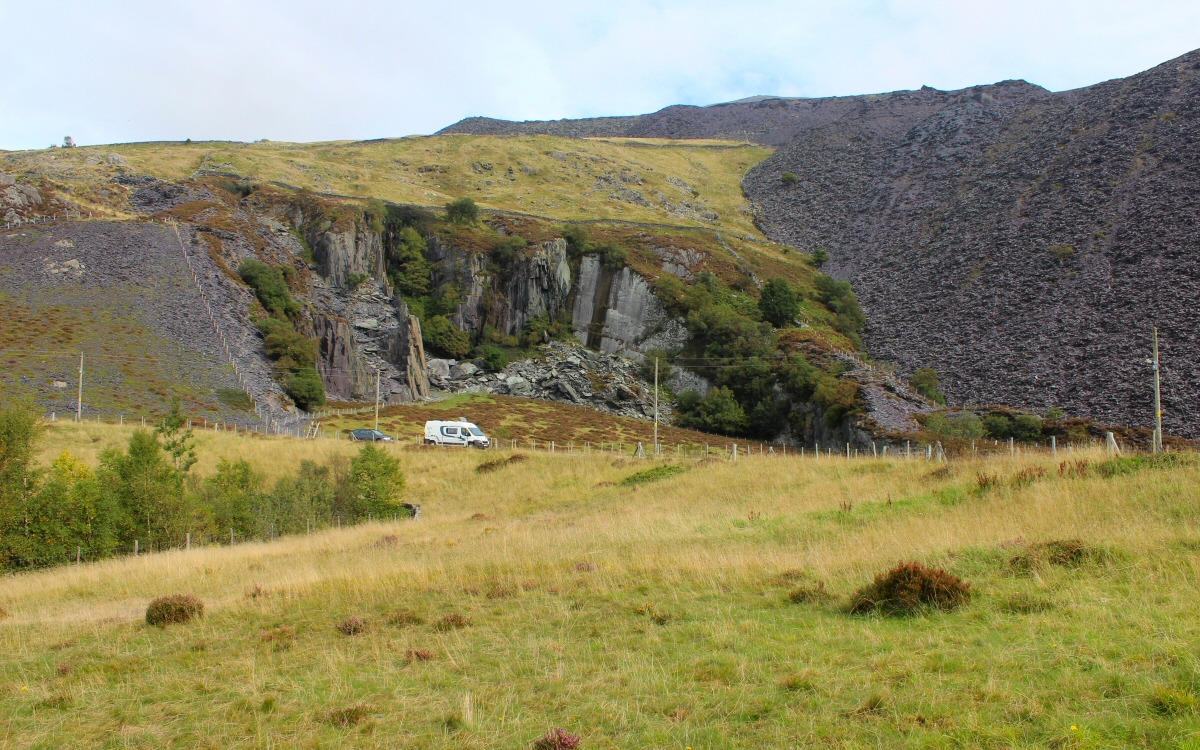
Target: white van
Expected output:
[461,433]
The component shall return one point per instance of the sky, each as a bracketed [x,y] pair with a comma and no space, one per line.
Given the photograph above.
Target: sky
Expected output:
[121,70]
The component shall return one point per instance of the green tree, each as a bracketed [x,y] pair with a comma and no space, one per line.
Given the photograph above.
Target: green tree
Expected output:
[842,302]
[819,257]
[718,412]
[410,269]
[462,211]
[494,358]
[375,484]
[779,304]
[149,492]
[177,437]
[925,382]
[443,337]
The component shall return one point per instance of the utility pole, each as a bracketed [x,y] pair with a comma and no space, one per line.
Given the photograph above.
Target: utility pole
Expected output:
[377,399]
[1157,401]
[79,400]
[656,406]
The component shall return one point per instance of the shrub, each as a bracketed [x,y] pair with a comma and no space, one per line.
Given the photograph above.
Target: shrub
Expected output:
[305,388]
[788,178]
[925,382]
[1027,427]
[462,211]
[351,626]
[269,286]
[819,257]
[354,280]
[910,587]
[443,337]
[417,654]
[375,483]
[558,739]
[779,304]
[998,427]
[452,621]
[494,359]
[1063,553]
[842,302]
[962,425]
[235,398]
[507,249]
[174,609]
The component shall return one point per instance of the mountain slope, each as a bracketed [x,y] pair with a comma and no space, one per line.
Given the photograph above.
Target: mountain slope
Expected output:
[1022,247]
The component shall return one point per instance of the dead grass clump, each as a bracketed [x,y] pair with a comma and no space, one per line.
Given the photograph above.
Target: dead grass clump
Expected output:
[348,716]
[351,626]
[1028,476]
[417,654]
[598,485]
[452,621]
[404,619]
[986,482]
[529,585]
[500,463]
[939,474]
[1077,468]
[810,594]
[174,609]
[585,567]
[256,592]
[501,590]
[797,681]
[1024,604]
[910,587]
[281,638]
[64,669]
[558,739]
[388,540]
[479,517]
[1063,553]
[789,577]
[3,613]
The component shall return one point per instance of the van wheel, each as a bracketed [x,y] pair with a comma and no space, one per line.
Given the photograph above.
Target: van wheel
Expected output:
[430,442]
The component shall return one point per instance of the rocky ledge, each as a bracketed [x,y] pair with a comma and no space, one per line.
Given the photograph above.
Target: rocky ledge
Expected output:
[563,372]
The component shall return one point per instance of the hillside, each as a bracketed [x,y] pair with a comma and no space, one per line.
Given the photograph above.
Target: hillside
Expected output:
[707,608]
[1022,246]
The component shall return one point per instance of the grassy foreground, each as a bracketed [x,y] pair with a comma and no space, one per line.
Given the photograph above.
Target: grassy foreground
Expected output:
[650,614]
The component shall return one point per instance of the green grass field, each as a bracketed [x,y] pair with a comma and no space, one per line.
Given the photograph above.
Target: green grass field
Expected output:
[651,614]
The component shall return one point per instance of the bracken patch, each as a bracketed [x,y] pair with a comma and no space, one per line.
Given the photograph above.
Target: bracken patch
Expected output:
[558,739]
[910,587]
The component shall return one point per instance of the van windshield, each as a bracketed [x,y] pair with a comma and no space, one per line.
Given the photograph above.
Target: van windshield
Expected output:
[476,431]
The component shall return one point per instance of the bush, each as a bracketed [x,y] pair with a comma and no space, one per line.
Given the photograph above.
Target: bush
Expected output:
[788,178]
[779,304]
[1062,553]
[354,280]
[305,388]
[443,337]
[269,286]
[910,587]
[351,626]
[612,256]
[494,358]
[963,425]
[925,382]
[462,211]
[173,610]
[558,739]
[819,257]
[718,412]
[841,301]
[506,250]
[998,427]
[1027,427]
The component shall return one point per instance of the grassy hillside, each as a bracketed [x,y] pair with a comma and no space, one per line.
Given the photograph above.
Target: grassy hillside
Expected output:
[653,614]
[558,178]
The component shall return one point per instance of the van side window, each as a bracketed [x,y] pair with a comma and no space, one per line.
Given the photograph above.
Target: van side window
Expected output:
[449,430]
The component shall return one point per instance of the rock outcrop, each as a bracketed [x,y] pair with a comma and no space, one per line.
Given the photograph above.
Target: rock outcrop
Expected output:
[616,311]
[601,380]
[340,254]
[1022,243]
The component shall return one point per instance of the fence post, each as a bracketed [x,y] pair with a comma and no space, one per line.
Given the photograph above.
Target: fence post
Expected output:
[1054,446]
[135,548]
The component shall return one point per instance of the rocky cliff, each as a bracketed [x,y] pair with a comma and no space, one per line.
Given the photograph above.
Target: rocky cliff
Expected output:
[1022,243]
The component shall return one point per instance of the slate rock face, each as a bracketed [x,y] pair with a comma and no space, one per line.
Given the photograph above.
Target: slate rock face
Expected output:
[1022,243]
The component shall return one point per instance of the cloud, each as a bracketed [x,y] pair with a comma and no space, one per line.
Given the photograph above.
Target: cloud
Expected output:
[128,70]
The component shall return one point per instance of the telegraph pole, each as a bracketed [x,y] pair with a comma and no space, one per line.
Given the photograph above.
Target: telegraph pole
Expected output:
[656,406]
[1157,401]
[377,399]
[79,399]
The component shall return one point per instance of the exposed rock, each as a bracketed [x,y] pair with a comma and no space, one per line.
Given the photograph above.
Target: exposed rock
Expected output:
[354,251]
[618,312]
[6,178]
[342,370]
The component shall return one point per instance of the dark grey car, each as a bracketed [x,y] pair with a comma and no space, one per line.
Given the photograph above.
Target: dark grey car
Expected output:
[369,436]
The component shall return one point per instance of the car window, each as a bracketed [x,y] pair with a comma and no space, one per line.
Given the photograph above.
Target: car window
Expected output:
[449,430]
[476,431]
[378,434]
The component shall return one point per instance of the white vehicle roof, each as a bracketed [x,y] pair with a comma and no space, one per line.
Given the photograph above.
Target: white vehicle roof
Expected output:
[441,422]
